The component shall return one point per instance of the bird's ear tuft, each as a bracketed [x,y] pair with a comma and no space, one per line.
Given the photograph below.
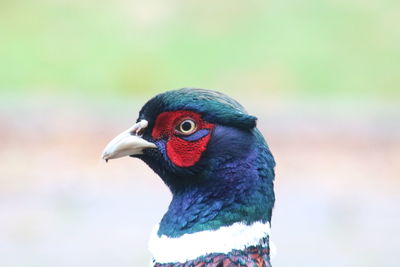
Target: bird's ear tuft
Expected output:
[246,121]
[251,122]
[236,119]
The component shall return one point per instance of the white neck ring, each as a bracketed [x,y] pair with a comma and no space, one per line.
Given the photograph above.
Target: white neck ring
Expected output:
[237,236]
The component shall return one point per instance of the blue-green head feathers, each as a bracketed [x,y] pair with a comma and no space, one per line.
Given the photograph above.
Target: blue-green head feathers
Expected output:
[214,107]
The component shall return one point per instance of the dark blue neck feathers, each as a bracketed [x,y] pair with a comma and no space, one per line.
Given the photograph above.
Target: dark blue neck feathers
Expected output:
[233,182]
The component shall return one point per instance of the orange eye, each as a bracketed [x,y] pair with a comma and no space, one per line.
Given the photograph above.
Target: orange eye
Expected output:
[186,127]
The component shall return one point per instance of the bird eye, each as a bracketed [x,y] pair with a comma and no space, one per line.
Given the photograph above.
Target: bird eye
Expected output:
[186,127]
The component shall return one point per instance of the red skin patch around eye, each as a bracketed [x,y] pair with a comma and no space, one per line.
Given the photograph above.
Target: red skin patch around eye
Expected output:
[181,152]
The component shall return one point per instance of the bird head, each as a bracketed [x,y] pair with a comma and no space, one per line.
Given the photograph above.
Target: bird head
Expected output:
[207,150]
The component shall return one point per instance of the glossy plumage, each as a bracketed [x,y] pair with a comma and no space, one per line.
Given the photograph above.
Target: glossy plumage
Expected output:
[220,173]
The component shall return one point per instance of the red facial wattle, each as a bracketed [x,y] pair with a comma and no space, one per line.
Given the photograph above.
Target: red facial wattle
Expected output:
[182,150]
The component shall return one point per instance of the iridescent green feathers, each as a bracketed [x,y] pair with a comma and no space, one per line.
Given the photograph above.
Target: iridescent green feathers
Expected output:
[215,107]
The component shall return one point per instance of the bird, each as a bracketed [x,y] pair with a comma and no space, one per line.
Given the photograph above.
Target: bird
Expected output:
[207,150]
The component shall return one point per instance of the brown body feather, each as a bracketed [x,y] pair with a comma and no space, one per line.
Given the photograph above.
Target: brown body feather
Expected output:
[250,257]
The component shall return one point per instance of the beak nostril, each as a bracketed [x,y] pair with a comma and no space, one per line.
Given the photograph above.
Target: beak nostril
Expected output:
[139,132]
[139,128]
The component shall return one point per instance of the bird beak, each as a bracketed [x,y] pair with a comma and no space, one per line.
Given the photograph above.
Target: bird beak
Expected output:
[128,143]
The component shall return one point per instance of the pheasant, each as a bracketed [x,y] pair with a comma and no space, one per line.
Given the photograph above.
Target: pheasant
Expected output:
[220,171]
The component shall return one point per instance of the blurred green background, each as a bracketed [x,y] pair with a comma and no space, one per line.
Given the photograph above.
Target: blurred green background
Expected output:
[303,48]
[323,77]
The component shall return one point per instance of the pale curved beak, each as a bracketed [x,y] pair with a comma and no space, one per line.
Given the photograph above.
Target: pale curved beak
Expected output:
[127,143]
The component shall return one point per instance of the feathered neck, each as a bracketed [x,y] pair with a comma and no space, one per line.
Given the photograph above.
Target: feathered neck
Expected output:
[236,186]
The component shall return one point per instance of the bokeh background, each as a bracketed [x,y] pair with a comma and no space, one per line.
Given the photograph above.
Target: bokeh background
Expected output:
[323,77]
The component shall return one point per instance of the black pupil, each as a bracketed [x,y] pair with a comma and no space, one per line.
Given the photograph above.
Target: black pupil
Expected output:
[186,126]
